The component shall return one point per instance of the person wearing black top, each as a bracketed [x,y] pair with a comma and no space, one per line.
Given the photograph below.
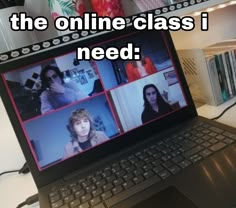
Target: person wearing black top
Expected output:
[154,104]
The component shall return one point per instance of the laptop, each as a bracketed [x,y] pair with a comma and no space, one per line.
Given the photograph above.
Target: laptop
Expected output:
[118,133]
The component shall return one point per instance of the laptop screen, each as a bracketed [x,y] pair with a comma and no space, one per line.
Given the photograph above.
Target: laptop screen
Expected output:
[67,106]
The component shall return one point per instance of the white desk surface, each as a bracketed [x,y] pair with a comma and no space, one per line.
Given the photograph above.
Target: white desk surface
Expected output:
[15,188]
[229,118]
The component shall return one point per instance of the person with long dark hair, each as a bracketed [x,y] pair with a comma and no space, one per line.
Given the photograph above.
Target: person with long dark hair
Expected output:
[82,132]
[56,93]
[154,103]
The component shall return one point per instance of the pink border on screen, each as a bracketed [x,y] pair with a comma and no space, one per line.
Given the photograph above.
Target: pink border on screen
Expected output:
[104,92]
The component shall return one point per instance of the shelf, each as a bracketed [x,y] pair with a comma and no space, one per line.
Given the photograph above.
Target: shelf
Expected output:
[187,8]
[198,7]
[131,11]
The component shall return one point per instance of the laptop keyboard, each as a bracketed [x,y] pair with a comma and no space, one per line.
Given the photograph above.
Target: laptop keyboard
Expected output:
[142,169]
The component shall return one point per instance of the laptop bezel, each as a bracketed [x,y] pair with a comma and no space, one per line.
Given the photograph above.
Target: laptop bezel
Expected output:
[53,173]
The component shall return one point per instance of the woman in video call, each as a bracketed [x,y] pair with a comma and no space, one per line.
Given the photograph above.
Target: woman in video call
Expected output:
[83,133]
[140,68]
[56,93]
[154,103]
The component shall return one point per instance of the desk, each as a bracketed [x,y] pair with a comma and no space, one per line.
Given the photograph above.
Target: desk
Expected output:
[15,188]
[212,111]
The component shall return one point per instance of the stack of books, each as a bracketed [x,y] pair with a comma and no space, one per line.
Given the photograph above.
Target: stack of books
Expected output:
[221,65]
[211,72]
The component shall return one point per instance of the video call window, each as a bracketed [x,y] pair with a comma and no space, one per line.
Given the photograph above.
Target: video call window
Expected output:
[135,103]
[87,103]
[93,125]
[51,85]
[154,58]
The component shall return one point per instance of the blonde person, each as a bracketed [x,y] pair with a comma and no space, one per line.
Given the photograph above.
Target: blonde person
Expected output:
[83,134]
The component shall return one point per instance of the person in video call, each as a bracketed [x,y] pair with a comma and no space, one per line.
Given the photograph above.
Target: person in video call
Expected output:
[154,103]
[56,93]
[83,134]
[140,68]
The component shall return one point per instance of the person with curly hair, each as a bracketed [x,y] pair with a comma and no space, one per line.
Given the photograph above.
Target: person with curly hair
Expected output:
[56,93]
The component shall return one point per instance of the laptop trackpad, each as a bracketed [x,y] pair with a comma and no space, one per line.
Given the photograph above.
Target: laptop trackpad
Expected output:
[170,197]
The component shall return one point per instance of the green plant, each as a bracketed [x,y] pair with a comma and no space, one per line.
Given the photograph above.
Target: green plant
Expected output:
[67,7]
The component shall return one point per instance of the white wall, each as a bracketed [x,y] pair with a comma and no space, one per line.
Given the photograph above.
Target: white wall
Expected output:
[27,74]
[221,27]
[22,75]
[13,76]
[66,63]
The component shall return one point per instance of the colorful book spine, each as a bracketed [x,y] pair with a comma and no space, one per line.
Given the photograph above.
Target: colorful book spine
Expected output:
[222,77]
[230,71]
[214,80]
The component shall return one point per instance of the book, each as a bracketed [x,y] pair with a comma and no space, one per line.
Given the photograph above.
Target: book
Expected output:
[233,59]
[227,74]
[225,65]
[230,71]
[222,77]
[215,80]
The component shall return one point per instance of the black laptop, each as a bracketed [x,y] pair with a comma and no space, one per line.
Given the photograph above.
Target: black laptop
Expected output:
[120,133]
